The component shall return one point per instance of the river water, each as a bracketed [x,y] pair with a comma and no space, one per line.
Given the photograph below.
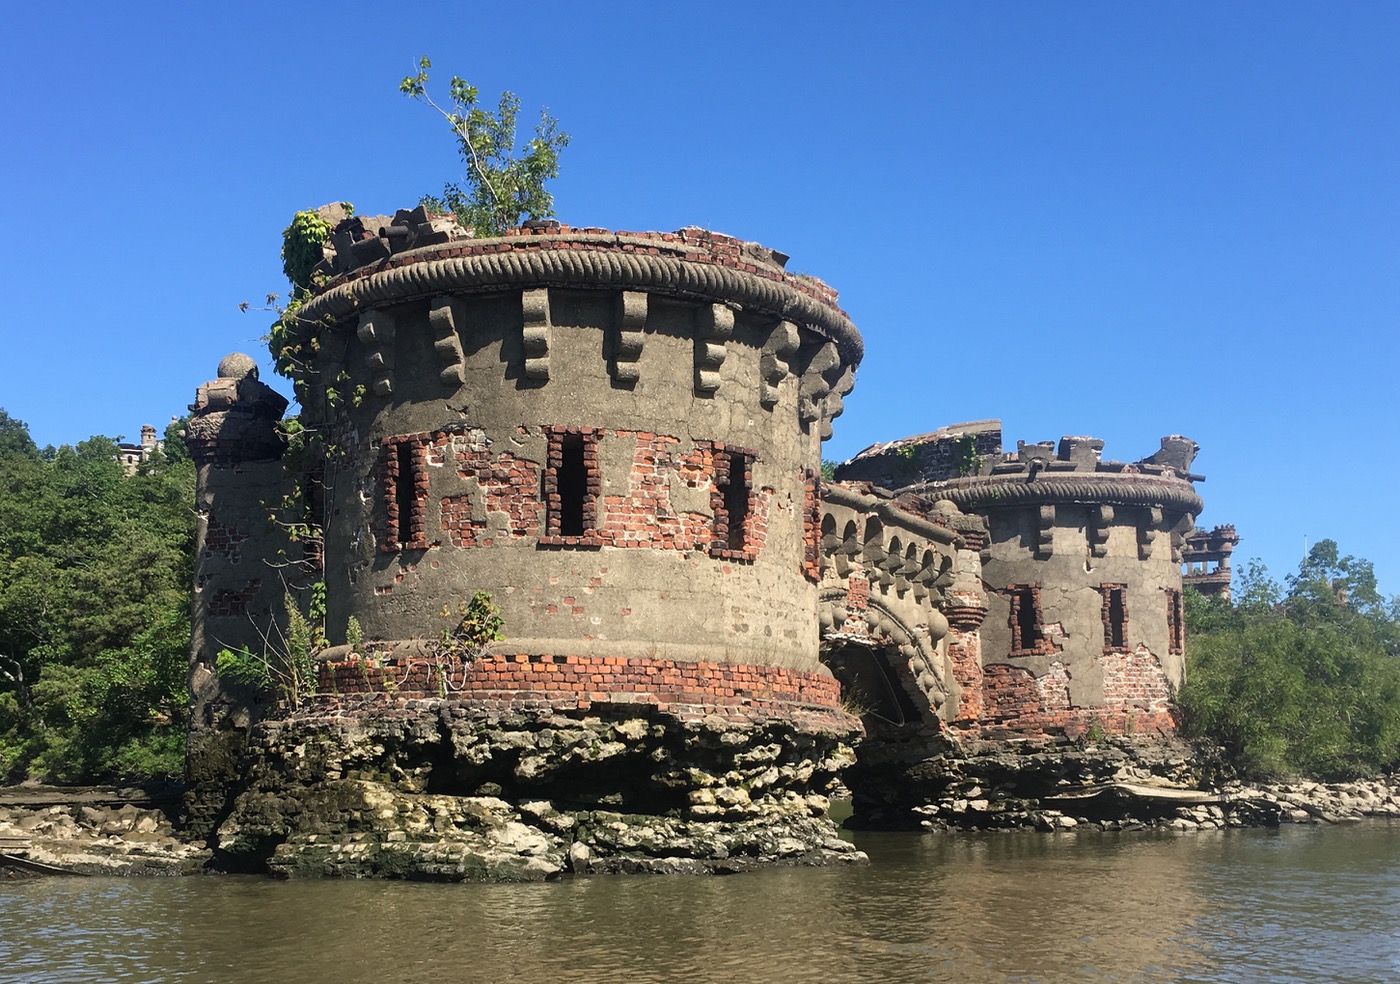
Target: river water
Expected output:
[1295,904]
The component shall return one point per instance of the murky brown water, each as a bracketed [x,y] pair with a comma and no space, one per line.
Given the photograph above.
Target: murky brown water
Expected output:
[1297,904]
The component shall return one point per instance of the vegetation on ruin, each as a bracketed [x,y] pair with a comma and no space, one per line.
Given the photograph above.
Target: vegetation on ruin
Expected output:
[95,574]
[1299,679]
[285,665]
[504,181]
[479,623]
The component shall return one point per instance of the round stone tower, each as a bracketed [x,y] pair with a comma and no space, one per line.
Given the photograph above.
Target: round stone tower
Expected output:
[1083,632]
[618,437]
[614,434]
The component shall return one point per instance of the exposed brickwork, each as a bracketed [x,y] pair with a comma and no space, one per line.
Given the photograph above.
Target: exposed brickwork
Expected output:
[965,656]
[644,516]
[857,592]
[641,518]
[738,692]
[226,603]
[1019,704]
[812,527]
[400,530]
[221,539]
[1054,688]
[456,513]
[1134,679]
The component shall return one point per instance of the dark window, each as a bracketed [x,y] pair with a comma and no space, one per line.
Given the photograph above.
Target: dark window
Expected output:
[735,490]
[404,493]
[1115,617]
[571,486]
[1176,636]
[1024,618]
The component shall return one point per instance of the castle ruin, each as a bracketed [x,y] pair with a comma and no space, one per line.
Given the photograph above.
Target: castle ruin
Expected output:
[618,436]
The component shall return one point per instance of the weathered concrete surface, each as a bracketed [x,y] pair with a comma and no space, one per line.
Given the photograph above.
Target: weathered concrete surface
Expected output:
[438,789]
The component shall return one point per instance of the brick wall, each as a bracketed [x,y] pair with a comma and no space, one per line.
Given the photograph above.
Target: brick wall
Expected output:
[222,539]
[1016,703]
[812,527]
[642,517]
[225,602]
[1134,679]
[738,692]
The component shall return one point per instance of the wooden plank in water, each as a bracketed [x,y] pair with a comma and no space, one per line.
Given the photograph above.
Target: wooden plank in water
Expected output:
[35,867]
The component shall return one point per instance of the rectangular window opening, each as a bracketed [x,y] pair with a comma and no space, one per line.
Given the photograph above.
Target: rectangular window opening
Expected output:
[1026,632]
[735,492]
[572,479]
[1175,623]
[406,492]
[1115,617]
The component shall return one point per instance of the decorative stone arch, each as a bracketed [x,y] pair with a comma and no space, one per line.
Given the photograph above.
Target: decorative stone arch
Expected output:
[912,679]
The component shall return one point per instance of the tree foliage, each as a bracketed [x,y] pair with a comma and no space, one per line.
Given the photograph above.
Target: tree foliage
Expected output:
[503,181]
[95,571]
[1298,681]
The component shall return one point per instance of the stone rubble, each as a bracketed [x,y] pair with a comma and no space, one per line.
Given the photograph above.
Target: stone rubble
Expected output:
[96,840]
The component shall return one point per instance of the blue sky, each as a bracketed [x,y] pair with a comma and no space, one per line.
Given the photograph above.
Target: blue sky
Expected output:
[1125,220]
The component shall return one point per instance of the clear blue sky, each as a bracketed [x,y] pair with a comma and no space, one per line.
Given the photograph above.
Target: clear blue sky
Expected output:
[1118,219]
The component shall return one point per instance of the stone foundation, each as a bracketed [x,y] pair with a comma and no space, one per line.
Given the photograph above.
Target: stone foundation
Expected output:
[1009,783]
[529,768]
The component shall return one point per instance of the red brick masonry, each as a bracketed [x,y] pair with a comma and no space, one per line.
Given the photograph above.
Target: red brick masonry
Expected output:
[742,693]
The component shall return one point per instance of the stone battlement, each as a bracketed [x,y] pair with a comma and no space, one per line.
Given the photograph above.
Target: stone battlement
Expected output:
[690,263]
[965,464]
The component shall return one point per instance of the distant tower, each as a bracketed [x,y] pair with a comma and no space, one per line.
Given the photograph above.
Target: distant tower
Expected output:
[1082,572]
[1206,547]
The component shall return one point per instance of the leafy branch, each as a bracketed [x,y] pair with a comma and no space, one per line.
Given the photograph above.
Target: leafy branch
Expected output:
[503,182]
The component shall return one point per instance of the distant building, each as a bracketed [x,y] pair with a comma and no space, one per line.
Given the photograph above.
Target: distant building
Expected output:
[1206,560]
[132,455]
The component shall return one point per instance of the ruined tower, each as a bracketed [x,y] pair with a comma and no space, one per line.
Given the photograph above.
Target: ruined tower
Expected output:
[1082,568]
[617,436]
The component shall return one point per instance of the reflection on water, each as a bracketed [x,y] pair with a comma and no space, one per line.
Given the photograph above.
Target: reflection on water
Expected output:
[1296,904]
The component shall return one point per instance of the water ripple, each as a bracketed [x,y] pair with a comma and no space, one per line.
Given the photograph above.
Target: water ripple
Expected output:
[1304,904]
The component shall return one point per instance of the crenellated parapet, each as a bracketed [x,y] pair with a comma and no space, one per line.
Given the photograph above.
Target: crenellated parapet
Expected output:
[720,293]
[964,464]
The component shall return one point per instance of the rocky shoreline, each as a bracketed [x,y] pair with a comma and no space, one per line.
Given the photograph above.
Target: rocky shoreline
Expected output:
[110,831]
[102,830]
[1055,784]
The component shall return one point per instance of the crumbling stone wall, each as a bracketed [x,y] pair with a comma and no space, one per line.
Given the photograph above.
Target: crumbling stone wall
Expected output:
[689,377]
[233,438]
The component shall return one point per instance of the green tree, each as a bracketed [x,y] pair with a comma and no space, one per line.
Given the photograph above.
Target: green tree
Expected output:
[95,572]
[1305,682]
[503,181]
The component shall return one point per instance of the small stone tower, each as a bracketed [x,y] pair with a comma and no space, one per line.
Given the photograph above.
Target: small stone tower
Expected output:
[237,450]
